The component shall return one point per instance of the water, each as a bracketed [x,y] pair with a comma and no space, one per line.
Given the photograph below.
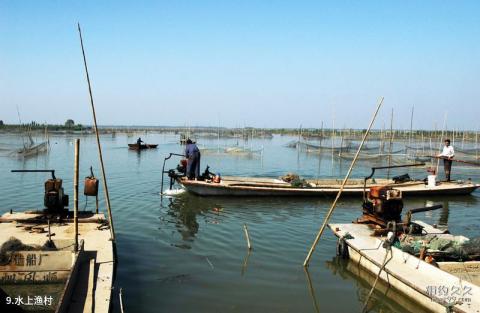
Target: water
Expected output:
[189,254]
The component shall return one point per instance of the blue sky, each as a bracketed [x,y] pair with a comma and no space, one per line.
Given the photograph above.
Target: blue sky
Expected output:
[257,63]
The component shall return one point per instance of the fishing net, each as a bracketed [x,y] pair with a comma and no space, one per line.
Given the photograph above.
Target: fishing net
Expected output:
[13,244]
[289,177]
[295,180]
[444,247]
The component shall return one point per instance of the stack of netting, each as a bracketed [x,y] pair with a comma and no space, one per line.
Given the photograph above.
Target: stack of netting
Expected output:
[442,247]
[13,245]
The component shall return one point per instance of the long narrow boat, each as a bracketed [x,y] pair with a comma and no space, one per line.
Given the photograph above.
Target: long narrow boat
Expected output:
[256,186]
[136,146]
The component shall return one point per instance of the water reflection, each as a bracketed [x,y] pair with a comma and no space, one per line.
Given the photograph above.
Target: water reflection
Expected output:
[384,298]
[444,213]
[185,211]
[311,290]
[245,262]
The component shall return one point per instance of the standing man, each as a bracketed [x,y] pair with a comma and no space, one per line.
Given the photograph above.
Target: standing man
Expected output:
[447,156]
[139,142]
[193,160]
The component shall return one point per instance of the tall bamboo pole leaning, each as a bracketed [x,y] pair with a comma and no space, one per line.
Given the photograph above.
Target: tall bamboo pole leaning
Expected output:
[334,204]
[105,186]
[75,193]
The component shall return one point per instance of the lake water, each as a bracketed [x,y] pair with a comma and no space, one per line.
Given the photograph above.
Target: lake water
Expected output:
[189,254]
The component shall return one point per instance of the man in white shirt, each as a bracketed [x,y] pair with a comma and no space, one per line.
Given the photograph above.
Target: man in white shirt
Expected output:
[447,155]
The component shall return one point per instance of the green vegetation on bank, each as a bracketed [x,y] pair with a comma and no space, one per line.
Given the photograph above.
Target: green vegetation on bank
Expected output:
[246,132]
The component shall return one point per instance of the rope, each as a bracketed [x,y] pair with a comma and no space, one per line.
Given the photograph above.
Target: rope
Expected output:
[384,263]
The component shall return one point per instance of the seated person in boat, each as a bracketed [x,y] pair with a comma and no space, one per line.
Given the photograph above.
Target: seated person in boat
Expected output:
[447,155]
[139,141]
[192,153]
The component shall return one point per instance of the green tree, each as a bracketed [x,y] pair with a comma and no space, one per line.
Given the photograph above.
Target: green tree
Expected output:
[69,123]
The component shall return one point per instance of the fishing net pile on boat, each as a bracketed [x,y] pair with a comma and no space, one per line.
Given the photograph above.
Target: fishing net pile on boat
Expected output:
[295,180]
[13,244]
[442,246]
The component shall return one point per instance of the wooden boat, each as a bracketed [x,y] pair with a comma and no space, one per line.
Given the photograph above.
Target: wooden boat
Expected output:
[256,186]
[430,266]
[135,146]
[41,262]
[66,280]
[435,288]
[33,150]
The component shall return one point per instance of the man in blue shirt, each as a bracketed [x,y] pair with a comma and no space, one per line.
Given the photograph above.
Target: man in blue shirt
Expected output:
[192,154]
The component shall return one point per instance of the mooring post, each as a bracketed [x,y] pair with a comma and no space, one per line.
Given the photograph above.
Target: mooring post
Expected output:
[75,192]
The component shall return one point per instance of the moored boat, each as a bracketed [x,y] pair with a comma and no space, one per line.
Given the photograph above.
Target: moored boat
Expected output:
[429,265]
[256,186]
[44,268]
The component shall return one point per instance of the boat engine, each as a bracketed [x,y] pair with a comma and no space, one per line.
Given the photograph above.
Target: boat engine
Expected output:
[382,205]
[55,199]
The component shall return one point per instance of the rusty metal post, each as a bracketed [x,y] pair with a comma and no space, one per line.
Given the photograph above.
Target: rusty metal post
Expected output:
[75,192]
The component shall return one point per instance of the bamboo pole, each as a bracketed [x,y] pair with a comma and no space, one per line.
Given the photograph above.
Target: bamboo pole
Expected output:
[105,185]
[120,295]
[247,236]
[390,145]
[411,127]
[334,204]
[75,192]
[457,160]
[441,140]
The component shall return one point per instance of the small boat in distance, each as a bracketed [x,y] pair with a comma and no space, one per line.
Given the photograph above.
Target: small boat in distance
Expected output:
[136,146]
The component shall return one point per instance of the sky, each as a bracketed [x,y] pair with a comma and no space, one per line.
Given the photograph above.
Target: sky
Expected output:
[242,63]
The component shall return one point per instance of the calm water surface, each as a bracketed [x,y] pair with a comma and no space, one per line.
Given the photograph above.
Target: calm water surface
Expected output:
[188,254]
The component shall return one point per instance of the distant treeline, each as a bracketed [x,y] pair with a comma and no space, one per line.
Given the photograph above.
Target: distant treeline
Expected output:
[34,126]
[245,132]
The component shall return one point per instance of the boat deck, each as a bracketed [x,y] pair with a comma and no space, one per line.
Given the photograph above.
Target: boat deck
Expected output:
[93,287]
[431,286]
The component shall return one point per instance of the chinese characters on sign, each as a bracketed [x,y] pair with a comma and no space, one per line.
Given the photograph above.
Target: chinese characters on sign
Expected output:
[28,277]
